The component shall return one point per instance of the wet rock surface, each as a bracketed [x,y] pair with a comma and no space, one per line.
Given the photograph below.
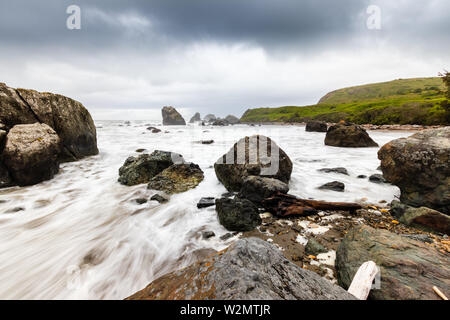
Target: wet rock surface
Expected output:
[316,126]
[140,169]
[252,156]
[206,202]
[419,166]
[237,214]
[339,170]
[427,219]
[409,268]
[333,186]
[177,178]
[348,135]
[31,153]
[250,269]
[256,189]
[377,178]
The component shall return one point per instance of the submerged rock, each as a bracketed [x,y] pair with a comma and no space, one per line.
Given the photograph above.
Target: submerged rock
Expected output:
[171,117]
[256,189]
[141,169]
[159,198]
[250,269]
[237,214]
[335,170]
[348,135]
[333,186]
[377,178]
[195,118]
[419,166]
[206,202]
[252,156]
[208,234]
[316,126]
[177,178]
[409,268]
[31,153]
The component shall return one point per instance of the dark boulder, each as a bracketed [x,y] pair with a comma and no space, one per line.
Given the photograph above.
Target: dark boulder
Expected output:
[171,117]
[348,135]
[409,268]
[333,186]
[237,214]
[377,178]
[256,189]
[159,198]
[419,166]
[252,156]
[206,202]
[141,169]
[177,178]
[31,153]
[250,269]
[316,126]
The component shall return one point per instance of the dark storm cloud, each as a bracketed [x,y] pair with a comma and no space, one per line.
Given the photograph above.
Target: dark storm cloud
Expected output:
[236,53]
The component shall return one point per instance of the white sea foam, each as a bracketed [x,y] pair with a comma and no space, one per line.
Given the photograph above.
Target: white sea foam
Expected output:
[81,235]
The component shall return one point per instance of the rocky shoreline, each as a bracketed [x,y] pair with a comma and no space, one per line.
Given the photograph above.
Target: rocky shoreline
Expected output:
[407,241]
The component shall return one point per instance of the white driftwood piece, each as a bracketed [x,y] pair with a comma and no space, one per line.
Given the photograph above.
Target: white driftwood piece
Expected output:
[363,280]
[439,293]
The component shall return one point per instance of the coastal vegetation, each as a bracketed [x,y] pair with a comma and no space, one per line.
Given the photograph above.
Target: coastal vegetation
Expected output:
[419,101]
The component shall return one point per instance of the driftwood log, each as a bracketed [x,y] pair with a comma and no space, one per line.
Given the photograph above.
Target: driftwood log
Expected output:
[286,205]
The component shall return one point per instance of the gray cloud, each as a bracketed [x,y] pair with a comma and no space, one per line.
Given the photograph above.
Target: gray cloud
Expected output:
[219,55]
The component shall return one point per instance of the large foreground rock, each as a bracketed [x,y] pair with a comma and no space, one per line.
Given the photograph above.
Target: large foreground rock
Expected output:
[237,214]
[409,268]
[250,269]
[31,153]
[69,118]
[141,169]
[177,178]
[348,135]
[252,156]
[419,166]
[171,117]
[316,126]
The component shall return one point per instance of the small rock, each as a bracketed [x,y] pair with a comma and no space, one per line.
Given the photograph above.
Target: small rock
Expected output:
[362,176]
[159,198]
[208,234]
[377,178]
[14,210]
[333,186]
[206,202]
[227,236]
[141,200]
[314,248]
[140,150]
[207,141]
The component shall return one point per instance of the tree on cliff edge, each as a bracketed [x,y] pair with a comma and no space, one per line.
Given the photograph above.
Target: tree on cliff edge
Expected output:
[446,79]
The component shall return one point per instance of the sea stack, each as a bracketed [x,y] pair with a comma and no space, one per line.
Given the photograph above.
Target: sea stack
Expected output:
[171,117]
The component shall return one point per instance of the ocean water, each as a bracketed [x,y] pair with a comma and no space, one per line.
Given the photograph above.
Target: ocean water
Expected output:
[82,235]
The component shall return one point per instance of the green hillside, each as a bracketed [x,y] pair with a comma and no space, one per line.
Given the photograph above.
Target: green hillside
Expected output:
[404,101]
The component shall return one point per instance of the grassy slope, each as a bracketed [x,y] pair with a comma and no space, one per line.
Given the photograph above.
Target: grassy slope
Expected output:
[405,101]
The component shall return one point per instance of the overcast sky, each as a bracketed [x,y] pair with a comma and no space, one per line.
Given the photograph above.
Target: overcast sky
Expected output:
[132,57]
